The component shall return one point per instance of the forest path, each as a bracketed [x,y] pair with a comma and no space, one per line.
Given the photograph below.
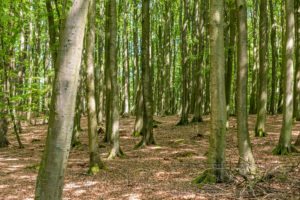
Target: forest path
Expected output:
[164,171]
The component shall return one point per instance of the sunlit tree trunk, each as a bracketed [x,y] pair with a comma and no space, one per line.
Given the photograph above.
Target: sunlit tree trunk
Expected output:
[113,69]
[95,162]
[284,145]
[263,71]
[184,65]
[50,179]
[147,132]
[246,159]
[216,153]
[297,67]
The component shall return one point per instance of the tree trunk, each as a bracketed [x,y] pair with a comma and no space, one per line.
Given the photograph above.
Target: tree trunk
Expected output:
[113,68]
[147,132]
[54,161]
[274,57]
[200,14]
[246,159]
[284,145]
[263,70]
[216,154]
[254,87]
[297,67]
[184,65]
[230,56]
[95,161]
[108,86]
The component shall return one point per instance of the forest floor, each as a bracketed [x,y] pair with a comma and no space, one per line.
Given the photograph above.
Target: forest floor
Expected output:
[164,171]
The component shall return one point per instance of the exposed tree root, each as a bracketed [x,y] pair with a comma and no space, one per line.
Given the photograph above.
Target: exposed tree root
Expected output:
[282,150]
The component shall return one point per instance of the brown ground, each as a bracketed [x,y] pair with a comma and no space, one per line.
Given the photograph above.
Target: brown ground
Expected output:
[164,171]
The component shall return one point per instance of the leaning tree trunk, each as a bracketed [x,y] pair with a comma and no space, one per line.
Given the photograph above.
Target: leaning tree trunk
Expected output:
[284,145]
[147,132]
[246,159]
[50,179]
[216,154]
[95,161]
[263,71]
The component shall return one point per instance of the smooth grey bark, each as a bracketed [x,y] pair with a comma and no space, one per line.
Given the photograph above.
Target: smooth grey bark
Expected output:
[108,86]
[95,161]
[246,160]
[200,14]
[147,131]
[274,57]
[216,153]
[49,185]
[113,68]
[263,71]
[297,67]
[284,145]
[184,65]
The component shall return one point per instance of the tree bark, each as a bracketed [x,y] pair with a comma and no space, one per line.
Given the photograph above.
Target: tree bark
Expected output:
[284,145]
[95,161]
[246,159]
[297,67]
[113,68]
[263,71]
[147,132]
[184,65]
[50,179]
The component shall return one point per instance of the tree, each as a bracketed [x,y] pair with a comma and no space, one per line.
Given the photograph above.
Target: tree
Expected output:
[50,179]
[113,68]
[297,67]
[246,159]
[95,161]
[184,65]
[284,145]
[216,154]
[263,70]
[147,131]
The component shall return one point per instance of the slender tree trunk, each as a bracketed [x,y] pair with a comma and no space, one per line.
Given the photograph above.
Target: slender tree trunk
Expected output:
[184,65]
[95,161]
[274,57]
[216,154]
[230,55]
[50,179]
[263,70]
[108,85]
[246,159]
[147,132]
[254,87]
[113,68]
[200,6]
[297,67]
[284,145]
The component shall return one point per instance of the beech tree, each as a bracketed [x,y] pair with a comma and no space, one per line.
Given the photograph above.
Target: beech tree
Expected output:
[284,145]
[50,179]
[263,69]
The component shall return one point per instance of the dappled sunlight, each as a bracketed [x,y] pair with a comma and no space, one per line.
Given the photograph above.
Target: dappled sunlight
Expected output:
[162,171]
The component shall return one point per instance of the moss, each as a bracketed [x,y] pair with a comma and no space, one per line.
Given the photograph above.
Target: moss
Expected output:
[281,150]
[93,170]
[136,134]
[207,177]
[260,133]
